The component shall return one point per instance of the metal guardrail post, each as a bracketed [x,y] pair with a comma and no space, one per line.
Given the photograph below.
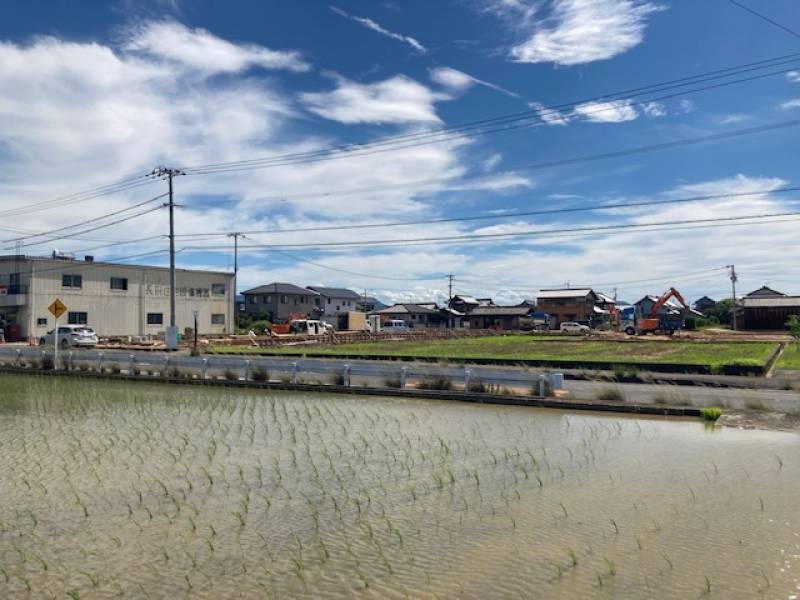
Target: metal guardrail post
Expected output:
[467,377]
[346,376]
[69,360]
[19,357]
[294,372]
[166,366]
[247,370]
[44,357]
[100,362]
[403,377]
[542,385]
[131,361]
[204,369]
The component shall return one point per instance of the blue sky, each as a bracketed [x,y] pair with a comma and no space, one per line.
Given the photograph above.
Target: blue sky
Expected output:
[94,92]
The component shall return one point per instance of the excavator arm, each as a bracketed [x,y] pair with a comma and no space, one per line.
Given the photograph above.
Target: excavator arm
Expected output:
[670,293]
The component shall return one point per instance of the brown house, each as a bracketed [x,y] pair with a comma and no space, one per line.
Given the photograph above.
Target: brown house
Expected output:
[501,317]
[565,305]
[766,309]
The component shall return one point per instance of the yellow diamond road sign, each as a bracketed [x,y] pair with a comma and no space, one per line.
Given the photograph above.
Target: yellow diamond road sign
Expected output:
[57,308]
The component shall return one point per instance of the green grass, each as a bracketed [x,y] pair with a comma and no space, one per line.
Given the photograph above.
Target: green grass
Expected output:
[790,359]
[522,347]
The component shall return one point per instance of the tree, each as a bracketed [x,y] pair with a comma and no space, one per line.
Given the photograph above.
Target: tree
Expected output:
[793,325]
[721,311]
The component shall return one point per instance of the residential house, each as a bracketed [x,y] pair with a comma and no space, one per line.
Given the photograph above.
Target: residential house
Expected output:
[765,309]
[502,317]
[704,304]
[414,315]
[281,302]
[334,304]
[463,304]
[565,305]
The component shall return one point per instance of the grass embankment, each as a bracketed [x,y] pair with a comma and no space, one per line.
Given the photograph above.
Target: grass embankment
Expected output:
[522,347]
[790,359]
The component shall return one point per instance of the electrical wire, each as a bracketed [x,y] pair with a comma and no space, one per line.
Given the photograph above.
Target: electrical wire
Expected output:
[764,17]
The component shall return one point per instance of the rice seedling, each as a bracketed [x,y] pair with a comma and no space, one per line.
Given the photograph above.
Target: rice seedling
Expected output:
[711,413]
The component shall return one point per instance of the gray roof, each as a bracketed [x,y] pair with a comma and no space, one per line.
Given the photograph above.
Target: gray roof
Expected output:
[406,309]
[564,293]
[501,311]
[770,302]
[281,288]
[465,299]
[329,292]
[765,291]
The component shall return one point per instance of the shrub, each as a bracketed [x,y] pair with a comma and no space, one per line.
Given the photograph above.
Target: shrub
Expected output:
[231,375]
[260,374]
[46,363]
[610,395]
[478,386]
[435,382]
[174,372]
[113,368]
[336,379]
[711,413]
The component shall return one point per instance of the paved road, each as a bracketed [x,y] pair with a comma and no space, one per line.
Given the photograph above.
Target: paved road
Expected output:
[375,373]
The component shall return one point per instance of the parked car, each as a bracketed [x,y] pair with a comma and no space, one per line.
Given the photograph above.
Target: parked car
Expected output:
[79,336]
[395,326]
[572,327]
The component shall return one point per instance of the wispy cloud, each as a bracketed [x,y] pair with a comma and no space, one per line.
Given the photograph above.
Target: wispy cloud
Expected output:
[583,31]
[203,51]
[370,24]
[617,111]
[398,99]
[653,109]
[791,104]
[459,81]
[793,76]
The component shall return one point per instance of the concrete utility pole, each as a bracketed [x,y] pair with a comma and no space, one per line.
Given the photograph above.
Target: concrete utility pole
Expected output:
[171,337]
[733,279]
[235,235]
[449,301]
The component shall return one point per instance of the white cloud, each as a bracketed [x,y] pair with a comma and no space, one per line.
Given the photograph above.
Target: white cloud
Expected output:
[685,106]
[370,24]
[732,118]
[584,31]
[550,116]
[653,109]
[201,50]
[793,76]
[617,111]
[458,81]
[791,104]
[490,163]
[395,100]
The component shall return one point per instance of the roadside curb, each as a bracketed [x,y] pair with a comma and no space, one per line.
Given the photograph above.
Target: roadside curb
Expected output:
[473,397]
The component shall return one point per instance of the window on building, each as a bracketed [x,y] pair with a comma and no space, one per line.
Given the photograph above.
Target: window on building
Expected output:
[41,322]
[72,281]
[267,299]
[155,318]
[251,299]
[218,289]
[218,319]
[284,299]
[329,300]
[119,283]
[14,286]
[78,318]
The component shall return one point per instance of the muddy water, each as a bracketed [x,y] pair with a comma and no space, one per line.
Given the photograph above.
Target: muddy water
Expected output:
[165,492]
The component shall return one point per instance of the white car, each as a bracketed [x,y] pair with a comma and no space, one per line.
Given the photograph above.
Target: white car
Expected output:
[571,327]
[70,336]
[395,326]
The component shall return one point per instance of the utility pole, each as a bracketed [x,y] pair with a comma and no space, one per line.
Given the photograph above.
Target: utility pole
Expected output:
[171,337]
[733,279]
[449,301]
[235,235]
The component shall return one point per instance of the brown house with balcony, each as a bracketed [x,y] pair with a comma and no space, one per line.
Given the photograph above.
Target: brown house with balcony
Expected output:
[564,305]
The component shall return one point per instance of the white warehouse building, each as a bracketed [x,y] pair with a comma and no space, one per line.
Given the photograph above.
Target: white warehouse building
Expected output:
[115,299]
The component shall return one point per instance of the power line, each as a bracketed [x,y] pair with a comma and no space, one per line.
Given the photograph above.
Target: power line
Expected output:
[764,17]
[509,235]
[74,225]
[511,215]
[349,149]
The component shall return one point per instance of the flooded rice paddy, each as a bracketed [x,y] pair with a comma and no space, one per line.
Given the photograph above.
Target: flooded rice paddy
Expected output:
[149,491]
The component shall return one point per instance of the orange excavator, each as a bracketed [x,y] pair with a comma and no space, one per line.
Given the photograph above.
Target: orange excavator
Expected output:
[665,323]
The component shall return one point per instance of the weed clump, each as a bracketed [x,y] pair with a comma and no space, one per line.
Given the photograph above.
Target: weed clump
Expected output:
[336,379]
[260,374]
[435,382]
[47,363]
[392,382]
[711,413]
[610,395]
[230,375]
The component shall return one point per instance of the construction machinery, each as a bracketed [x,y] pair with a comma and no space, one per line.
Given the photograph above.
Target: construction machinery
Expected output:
[654,322]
